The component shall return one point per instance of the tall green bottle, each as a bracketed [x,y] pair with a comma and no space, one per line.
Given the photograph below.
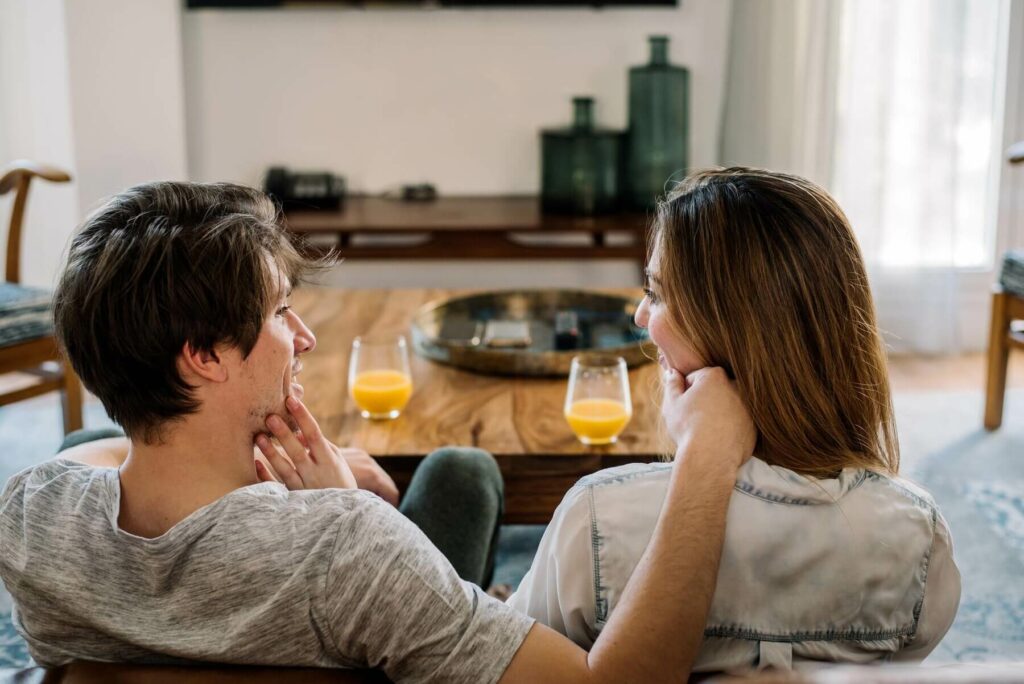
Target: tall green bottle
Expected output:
[659,107]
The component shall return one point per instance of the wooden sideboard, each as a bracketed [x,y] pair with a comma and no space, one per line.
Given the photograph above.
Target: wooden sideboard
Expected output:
[512,227]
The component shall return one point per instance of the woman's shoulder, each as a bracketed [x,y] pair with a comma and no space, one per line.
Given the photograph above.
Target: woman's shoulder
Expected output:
[765,487]
[624,475]
[902,487]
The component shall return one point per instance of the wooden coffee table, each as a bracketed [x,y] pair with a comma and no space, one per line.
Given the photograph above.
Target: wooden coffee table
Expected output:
[519,420]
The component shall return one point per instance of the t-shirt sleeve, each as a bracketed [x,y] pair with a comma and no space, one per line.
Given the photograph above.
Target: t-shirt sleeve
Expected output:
[941,597]
[559,588]
[392,601]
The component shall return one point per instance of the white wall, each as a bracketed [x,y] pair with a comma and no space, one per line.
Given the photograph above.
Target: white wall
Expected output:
[127,94]
[93,86]
[455,97]
[35,123]
[124,91]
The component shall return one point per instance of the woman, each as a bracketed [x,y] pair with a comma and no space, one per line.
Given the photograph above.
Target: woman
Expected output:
[828,554]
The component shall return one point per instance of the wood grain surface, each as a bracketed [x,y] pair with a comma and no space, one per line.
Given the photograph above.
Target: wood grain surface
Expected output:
[518,420]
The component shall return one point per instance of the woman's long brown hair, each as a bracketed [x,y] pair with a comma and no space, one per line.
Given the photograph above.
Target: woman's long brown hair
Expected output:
[762,274]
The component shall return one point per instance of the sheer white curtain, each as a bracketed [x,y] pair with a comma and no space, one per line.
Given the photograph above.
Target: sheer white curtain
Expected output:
[895,106]
[916,159]
[780,91]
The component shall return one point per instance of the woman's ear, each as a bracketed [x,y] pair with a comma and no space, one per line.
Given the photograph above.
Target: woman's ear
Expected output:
[204,364]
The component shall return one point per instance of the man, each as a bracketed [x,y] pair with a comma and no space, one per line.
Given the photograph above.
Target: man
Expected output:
[173,309]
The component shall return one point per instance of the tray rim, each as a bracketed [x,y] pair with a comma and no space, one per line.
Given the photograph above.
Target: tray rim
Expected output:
[639,351]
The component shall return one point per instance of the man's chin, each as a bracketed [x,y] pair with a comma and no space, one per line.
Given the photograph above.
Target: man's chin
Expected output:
[296,390]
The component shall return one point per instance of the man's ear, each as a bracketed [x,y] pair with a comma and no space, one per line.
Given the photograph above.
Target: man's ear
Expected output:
[201,363]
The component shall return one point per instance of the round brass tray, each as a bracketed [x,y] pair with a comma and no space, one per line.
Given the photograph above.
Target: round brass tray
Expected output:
[455,331]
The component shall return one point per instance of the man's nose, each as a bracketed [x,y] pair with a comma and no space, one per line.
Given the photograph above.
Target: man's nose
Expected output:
[305,340]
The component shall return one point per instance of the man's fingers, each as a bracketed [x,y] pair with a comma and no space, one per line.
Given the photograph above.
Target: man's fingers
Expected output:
[389,492]
[281,466]
[385,487]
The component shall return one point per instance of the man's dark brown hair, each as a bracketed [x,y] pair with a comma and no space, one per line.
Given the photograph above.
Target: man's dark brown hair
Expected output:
[161,265]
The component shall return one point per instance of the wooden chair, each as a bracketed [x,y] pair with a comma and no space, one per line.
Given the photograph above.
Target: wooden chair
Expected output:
[27,344]
[1007,307]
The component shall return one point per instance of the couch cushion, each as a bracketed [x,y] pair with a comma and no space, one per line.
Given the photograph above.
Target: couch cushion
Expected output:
[1012,276]
[25,314]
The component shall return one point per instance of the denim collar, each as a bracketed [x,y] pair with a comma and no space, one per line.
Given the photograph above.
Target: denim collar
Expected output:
[775,483]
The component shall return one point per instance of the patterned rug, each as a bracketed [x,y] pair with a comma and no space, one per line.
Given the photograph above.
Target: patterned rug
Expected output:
[976,477]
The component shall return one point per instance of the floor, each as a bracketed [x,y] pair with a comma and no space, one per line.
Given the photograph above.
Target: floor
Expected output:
[948,373]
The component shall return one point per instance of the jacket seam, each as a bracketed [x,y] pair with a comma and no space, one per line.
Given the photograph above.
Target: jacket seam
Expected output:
[748,489]
[600,602]
[828,635]
[741,486]
[925,565]
[916,498]
[597,480]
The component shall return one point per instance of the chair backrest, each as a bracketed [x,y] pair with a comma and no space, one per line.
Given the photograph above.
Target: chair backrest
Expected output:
[17,176]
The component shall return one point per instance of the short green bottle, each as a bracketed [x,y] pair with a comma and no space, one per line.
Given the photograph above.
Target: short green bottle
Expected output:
[658,136]
[580,166]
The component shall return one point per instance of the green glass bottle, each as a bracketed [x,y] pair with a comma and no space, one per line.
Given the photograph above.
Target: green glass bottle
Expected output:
[658,137]
[580,165]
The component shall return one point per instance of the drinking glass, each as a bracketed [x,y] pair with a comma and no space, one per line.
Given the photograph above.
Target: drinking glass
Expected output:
[597,402]
[379,379]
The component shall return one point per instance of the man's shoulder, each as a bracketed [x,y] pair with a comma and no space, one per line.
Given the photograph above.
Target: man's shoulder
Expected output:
[47,483]
[314,511]
[44,472]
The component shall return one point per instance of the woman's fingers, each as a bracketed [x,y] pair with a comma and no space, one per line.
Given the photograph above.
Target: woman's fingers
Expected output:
[263,473]
[674,383]
[312,461]
[289,442]
[282,467]
[712,413]
[310,429]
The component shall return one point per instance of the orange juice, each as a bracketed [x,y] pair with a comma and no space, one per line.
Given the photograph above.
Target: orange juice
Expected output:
[597,421]
[382,393]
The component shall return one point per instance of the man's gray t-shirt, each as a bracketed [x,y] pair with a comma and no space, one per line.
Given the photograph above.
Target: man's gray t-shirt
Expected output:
[328,578]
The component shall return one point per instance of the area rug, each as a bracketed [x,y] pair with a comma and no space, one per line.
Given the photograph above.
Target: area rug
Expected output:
[976,477]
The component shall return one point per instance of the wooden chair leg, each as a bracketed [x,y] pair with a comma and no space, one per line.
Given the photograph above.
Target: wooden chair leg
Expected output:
[71,400]
[998,355]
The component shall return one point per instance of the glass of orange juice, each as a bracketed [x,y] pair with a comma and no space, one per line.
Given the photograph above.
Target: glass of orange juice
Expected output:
[379,379]
[597,403]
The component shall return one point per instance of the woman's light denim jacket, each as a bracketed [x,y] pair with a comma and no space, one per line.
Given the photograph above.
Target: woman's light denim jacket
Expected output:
[852,569]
